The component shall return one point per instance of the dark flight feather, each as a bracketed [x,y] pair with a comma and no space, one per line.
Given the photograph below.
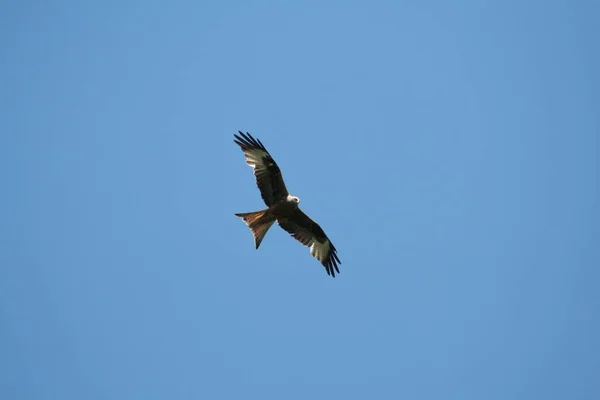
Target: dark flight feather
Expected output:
[266,171]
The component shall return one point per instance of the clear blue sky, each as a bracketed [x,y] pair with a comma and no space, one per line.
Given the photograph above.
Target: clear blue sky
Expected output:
[449,149]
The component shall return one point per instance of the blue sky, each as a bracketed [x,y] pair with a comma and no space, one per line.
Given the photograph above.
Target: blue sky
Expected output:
[448,149]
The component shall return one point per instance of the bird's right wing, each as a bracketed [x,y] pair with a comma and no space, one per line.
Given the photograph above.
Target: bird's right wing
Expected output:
[267,173]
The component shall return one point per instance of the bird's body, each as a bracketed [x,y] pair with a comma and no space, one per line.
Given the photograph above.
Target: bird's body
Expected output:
[282,207]
[285,207]
[262,220]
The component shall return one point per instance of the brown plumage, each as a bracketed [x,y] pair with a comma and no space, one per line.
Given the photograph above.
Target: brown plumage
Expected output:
[259,223]
[282,207]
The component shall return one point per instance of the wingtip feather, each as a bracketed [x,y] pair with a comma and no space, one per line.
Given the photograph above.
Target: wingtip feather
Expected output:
[246,140]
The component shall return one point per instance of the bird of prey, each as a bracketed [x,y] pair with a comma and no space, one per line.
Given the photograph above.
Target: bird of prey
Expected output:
[282,207]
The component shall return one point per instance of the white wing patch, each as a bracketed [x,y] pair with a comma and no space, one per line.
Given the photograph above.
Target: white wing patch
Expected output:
[319,250]
[254,157]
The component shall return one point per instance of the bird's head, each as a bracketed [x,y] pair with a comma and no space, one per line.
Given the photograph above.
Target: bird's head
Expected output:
[293,199]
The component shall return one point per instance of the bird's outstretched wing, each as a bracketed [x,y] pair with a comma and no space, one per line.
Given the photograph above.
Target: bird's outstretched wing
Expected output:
[310,234]
[267,173]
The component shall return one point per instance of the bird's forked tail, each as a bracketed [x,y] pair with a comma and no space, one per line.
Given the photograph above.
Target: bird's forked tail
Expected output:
[259,223]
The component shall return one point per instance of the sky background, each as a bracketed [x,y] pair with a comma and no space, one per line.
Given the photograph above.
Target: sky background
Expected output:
[448,149]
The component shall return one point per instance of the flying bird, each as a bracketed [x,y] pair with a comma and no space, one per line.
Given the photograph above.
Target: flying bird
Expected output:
[282,207]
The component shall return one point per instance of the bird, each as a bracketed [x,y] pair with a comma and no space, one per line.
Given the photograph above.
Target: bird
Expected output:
[282,206]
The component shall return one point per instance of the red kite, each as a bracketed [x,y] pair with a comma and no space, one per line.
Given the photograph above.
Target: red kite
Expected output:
[282,207]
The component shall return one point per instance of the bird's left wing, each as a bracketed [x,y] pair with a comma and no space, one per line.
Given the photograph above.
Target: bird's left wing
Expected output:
[267,173]
[310,234]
